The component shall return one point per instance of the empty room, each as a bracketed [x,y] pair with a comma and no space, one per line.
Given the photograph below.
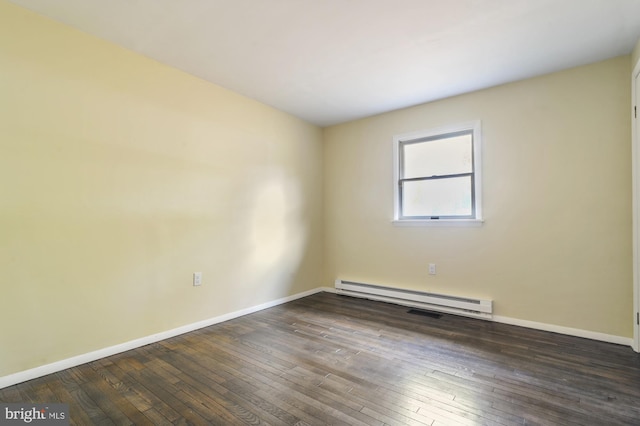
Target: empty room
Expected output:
[308,212]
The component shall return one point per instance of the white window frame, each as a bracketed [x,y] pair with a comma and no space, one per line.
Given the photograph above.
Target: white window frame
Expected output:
[476,128]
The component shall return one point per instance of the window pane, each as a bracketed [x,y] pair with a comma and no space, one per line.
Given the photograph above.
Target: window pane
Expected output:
[438,157]
[437,197]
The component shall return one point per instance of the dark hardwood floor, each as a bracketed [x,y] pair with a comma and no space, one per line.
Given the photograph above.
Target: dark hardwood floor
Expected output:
[327,359]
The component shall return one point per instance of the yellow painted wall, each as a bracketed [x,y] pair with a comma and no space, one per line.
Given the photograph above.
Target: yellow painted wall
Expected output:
[556,243]
[635,54]
[120,177]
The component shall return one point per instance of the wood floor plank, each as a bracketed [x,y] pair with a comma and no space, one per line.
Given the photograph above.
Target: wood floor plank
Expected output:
[141,397]
[267,378]
[61,394]
[108,399]
[328,359]
[168,394]
[252,367]
[228,402]
[10,394]
[82,401]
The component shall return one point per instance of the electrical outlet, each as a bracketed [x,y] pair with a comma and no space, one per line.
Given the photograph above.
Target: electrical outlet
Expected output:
[432,269]
[197,278]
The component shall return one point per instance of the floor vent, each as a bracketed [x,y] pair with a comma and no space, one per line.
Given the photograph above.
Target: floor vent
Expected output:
[424,313]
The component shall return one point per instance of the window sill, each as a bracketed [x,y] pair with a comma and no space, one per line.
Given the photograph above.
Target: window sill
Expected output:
[464,223]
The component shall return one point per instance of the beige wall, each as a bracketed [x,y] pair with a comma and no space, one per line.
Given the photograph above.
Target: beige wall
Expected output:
[556,243]
[120,177]
[635,55]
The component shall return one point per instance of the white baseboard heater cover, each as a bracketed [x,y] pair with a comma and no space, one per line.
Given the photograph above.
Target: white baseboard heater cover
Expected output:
[476,308]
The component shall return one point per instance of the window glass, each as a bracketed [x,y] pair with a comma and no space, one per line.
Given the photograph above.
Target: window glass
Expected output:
[448,156]
[437,197]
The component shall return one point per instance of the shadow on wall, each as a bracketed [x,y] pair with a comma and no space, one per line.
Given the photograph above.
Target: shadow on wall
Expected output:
[277,231]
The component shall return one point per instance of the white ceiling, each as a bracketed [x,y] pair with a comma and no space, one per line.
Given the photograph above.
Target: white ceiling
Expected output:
[330,61]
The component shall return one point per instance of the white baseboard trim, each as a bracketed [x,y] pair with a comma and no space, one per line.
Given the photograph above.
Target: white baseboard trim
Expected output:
[33,373]
[593,335]
[54,367]
[618,340]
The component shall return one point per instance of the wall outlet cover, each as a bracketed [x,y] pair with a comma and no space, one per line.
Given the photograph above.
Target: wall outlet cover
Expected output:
[197,278]
[432,269]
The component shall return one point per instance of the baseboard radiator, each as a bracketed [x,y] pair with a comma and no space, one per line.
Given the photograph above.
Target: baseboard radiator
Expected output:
[476,308]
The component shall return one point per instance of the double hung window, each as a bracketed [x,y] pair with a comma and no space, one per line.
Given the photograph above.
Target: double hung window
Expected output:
[437,175]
